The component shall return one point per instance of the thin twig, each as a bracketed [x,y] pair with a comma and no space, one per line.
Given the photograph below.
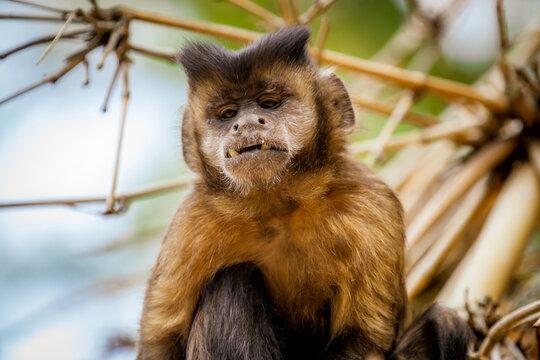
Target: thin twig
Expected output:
[268,17]
[150,191]
[498,331]
[503,42]
[203,27]
[430,134]
[57,37]
[285,11]
[39,6]
[42,40]
[36,17]
[318,7]
[421,274]
[112,43]
[414,79]
[111,200]
[477,166]
[321,39]
[53,77]
[433,164]
[167,55]
[111,86]
[86,72]
[295,9]
[387,108]
[401,109]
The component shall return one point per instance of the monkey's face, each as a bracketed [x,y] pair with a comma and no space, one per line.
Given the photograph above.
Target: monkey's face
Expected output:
[261,114]
[252,133]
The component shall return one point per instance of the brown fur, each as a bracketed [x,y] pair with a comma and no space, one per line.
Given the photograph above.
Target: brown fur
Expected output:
[324,231]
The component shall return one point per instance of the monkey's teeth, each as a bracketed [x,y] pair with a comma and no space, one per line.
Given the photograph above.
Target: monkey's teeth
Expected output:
[233,153]
[265,147]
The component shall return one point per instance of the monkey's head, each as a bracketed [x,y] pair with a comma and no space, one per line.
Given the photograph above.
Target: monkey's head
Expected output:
[258,116]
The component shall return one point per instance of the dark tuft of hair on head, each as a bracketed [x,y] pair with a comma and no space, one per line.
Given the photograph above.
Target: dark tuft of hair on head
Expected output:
[203,60]
[199,59]
[288,44]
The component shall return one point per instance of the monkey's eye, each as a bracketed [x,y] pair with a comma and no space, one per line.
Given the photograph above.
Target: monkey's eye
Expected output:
[228,113]
[269,103]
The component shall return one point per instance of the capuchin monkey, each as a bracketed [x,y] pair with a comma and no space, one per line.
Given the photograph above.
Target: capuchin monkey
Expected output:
[286,248]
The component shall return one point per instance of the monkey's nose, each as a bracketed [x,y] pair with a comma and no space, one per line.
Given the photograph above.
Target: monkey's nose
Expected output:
[248,122]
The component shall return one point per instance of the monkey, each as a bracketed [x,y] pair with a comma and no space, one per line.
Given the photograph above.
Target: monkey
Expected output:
[286,247]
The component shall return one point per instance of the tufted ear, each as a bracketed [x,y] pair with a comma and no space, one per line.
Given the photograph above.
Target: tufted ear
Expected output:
[338,100]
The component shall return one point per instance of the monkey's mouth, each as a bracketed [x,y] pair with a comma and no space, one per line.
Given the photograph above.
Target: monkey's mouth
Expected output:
[251,148]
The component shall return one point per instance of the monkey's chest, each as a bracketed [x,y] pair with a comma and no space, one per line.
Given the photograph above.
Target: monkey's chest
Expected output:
[299,276]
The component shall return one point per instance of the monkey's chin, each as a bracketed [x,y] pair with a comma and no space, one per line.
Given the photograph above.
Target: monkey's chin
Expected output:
[256,170]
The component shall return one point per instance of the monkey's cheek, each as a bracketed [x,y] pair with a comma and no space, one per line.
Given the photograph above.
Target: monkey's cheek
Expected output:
[257,165]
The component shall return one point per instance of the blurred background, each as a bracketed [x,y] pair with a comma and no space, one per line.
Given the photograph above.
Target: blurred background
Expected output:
[71,279]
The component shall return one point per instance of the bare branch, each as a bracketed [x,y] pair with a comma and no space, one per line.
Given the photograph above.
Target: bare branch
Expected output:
[436,132]
[285,11]
[498,331]
[115,36]
[321,39]
[42,40]
[204,27]
[269,18]
[476,167]
[57,37]
[111,200]
[36,17]
[127,197]
[111,86]
[503,42]
[401,109]
[387,108]
[421,274]
[40,6]
[318,7]
[295,9]
[53,77]
[167,55]
[414,79]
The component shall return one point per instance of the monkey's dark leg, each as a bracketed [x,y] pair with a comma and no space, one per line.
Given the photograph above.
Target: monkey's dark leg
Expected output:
[437,334]
[234,319]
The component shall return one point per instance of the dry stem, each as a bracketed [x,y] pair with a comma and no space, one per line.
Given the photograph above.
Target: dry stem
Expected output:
[432,165]
[498,331]
[513,216]
[111,86]
[111,200]
[125,198]
[53,77]
[476,167]
[421,274]
[169,55]
[416,80]
[285,11]
[273,21]
[57,37]
[321,39]
[318,7]
[430,134]
[402,107]
[40,6]
[42,40]
[387,108]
